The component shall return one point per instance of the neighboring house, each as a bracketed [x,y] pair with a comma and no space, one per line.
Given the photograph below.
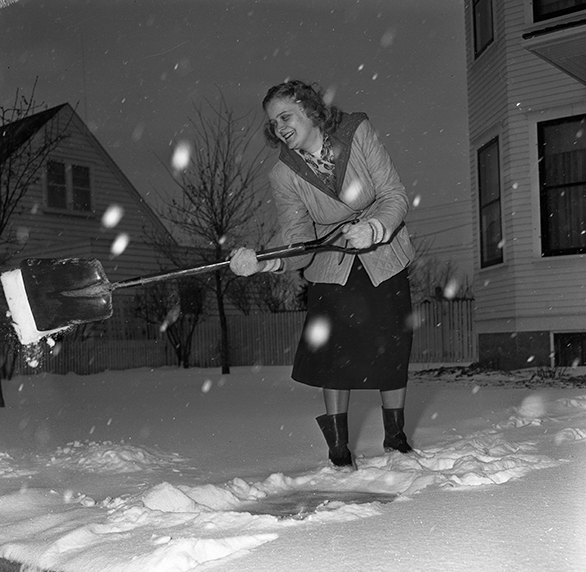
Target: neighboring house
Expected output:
[526,62]
[61,214]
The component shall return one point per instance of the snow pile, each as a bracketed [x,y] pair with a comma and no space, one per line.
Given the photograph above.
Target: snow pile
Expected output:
[109,506]
[108,457]
[10,468]
[483,459]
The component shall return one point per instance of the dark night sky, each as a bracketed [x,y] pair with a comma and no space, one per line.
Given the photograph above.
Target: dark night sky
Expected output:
[135,68]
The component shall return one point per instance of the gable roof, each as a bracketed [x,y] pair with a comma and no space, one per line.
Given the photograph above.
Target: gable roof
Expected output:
[14,135]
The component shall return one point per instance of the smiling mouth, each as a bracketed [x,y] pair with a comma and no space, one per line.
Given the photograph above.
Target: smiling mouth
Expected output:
[287,136]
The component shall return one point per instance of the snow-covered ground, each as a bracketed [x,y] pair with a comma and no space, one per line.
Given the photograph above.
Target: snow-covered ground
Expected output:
[173,470]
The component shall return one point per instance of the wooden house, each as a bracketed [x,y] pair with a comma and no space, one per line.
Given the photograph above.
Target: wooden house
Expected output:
[526,65]
[61,214]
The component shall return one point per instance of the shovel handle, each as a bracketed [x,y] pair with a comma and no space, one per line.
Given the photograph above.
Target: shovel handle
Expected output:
[324,243]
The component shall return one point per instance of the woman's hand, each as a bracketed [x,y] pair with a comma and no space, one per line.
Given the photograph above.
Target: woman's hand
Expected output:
[243,262]
[364,234]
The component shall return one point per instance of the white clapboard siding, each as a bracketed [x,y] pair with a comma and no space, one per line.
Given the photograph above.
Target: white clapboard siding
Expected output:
[65,234]
[510,89]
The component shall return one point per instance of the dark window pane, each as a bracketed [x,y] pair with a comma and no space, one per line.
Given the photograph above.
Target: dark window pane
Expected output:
[81,191]
[562,178]
[489,190]
[545,9]
[56,185]
[483,27]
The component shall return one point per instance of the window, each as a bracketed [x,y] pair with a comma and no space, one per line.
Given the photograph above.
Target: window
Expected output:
[80,185]
[483,26]
[570,349]
[489,189]
[68,187]
[56,185]
[546,9]
[562,181]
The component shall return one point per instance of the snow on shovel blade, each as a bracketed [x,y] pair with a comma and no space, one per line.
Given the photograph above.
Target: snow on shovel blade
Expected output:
[63,292]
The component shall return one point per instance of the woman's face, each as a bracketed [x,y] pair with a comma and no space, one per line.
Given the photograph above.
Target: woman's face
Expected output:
[292,126]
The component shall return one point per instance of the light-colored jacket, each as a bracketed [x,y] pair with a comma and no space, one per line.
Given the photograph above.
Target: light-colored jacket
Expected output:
[370,188]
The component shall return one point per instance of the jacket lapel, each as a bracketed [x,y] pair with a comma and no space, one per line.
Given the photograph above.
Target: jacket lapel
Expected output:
[295,162]
[342,144]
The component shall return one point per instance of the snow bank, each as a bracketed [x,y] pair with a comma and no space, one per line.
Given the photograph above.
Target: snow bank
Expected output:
[162,519]
[108,457]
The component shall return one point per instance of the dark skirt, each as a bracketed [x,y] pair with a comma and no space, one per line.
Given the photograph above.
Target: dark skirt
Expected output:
[356,336]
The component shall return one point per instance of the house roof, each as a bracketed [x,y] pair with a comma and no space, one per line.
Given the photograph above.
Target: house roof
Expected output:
[14,135]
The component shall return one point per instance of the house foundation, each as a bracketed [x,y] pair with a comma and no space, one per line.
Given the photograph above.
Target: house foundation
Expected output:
[515,350]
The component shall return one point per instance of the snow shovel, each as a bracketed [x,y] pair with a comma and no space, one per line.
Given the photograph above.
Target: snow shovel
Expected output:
[69,291]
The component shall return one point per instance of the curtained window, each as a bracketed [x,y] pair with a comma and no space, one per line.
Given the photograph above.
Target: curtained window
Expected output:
[489,189]
[562,182]
[68,187]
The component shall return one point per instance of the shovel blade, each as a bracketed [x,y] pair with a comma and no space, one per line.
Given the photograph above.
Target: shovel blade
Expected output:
[66,291]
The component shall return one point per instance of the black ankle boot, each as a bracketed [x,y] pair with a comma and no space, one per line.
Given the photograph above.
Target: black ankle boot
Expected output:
[335,430]
[395,438]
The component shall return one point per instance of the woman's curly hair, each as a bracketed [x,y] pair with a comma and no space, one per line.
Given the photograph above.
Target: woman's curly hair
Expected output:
[311,99]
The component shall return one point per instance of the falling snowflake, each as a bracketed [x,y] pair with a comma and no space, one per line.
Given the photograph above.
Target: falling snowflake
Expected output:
[451,289]
[318,333]
[119,245]
[171,317]
[387,38]
[112,216]
[181,156]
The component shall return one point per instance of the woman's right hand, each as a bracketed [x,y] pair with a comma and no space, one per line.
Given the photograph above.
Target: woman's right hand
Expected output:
[243,262]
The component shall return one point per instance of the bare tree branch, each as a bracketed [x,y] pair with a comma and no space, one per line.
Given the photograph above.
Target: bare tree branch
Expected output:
[221,203]
[22,156]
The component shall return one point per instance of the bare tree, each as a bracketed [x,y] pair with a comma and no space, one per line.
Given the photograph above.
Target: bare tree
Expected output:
[220,205]
[242,293]
[26,139]
[268,292]
[175,308]
[433,278]
[280,292]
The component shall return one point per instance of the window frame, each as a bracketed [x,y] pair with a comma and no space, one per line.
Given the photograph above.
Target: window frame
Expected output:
[69,167]
[540,16]
[486,262]
[479,48]
[546,249]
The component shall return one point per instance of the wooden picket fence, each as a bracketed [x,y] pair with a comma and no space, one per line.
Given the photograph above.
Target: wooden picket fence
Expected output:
[443,333]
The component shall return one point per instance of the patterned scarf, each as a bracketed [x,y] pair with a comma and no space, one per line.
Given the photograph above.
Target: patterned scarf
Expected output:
[322,166]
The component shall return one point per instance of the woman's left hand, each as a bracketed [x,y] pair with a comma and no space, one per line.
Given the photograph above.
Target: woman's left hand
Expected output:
[243,262]
[360,235]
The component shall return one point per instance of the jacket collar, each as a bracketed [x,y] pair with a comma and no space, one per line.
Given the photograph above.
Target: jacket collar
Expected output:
[342,145]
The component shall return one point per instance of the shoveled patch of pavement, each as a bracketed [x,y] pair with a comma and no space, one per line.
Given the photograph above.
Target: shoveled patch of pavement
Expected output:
[300,504]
